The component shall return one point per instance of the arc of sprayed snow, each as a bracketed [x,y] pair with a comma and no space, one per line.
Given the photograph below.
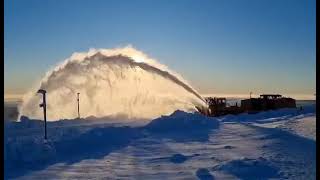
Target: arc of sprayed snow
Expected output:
[136,57]
[148,67]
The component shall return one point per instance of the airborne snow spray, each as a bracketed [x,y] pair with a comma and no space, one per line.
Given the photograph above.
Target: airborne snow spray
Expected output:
[120,81]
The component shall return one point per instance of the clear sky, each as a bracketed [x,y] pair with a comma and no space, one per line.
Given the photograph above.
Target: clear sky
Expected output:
[220,46]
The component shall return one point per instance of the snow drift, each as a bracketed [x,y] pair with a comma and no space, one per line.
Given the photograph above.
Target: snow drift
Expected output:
[180,121]
[110,82]
[24,148]
[209,148]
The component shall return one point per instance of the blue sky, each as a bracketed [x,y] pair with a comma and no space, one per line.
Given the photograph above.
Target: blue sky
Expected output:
[220,46]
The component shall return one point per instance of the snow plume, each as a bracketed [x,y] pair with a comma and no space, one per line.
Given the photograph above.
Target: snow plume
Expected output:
[121,81]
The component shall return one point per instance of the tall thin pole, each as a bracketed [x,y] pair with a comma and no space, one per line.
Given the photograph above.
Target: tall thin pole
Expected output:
[45,116]
[78,99]
[250,94]
[44,106]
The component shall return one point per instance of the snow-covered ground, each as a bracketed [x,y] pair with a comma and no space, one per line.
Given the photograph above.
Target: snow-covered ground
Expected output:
[304,126]
[269,145]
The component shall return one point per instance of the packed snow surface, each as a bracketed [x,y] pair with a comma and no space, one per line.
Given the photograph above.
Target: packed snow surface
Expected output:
[303,126]
[268,145]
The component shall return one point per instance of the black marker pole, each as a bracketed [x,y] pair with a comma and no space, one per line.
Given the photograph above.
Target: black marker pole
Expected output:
[78,99]
[44,106]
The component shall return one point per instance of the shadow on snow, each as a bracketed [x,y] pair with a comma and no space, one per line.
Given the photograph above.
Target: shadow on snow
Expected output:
[25,157]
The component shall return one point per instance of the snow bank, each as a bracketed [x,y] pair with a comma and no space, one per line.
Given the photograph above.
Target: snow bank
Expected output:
[75,140]
[180,121]
[36,149]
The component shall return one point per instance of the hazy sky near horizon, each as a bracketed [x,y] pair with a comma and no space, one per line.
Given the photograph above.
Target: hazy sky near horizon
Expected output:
[219,46]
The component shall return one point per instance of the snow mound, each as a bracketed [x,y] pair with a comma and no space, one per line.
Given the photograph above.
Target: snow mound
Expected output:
[246,168]
[178,158]
[204,174]
[181,121]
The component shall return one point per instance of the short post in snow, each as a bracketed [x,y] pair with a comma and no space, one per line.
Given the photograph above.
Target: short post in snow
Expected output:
[44,106]
[78,99]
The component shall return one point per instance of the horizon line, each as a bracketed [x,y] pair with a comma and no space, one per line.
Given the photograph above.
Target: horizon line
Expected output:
[18,96]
